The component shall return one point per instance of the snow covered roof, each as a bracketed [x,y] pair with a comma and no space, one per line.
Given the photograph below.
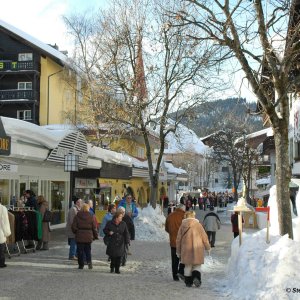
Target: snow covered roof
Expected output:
[29,132]
[265,180]
[184,140]
[35,42]
[171,169]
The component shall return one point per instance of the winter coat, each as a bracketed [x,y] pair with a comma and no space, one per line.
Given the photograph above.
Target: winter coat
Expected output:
[106,218]
[130,226]
[71,215]
[134,209]
[84,227]
[211,222]
[172,225]
[235,222]
[191,241]
[4,224]
[45,225]
[118,240]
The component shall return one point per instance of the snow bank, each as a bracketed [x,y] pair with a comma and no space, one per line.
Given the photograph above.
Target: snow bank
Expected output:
[267,271]
[150,225]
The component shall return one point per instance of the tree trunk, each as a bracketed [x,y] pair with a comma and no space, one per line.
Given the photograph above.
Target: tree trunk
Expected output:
[153,190]
[282,180]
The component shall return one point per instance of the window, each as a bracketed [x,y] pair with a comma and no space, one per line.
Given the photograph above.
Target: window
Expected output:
[225,169]
[216,180]
[24,85]
[140,152]
[24,114]
[25,56]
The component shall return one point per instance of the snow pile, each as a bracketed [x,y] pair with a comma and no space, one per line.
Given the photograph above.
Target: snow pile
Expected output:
[267,271]
[150,225]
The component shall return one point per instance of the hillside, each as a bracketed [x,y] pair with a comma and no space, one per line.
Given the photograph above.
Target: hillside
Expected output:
[211,116]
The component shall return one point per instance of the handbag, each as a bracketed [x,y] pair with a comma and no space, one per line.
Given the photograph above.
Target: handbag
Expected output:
[47,216]
[106,239]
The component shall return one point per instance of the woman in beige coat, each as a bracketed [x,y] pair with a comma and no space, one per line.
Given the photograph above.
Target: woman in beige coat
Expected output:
[42,207]
[190,244]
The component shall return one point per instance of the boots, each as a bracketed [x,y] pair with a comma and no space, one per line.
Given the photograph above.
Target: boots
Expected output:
[39,245]
[188,281]
[196,275]
[45,246]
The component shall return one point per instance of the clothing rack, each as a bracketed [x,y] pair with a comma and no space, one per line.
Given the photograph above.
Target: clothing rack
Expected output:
[26,249]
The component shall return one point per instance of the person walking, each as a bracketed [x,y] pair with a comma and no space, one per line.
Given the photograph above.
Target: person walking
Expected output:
[190,244]
[172,225]
[235,224]
[130,207]
[108,217]
[85,229]
[42,207]
[4,232]
[71,236]
[131,230]
[211,224]
[119,238]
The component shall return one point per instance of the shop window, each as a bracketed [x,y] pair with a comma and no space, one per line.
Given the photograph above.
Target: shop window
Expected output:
[25,56]
[4,191]
[24,114]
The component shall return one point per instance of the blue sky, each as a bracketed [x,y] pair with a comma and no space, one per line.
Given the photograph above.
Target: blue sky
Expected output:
[42,19]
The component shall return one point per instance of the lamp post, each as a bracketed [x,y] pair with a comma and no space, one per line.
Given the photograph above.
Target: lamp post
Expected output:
[48,93]
[71,165]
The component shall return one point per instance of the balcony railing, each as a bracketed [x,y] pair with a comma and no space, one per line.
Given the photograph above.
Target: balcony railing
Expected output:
[18,95]
[9,65]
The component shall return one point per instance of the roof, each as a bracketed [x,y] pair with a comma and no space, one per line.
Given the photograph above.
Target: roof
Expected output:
[33,42]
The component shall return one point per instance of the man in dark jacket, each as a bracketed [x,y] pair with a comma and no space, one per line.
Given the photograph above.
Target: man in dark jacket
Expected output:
[172,225]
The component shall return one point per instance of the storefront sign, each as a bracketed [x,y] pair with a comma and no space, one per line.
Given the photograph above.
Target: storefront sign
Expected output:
[81,183]
[5,141]
[8,168]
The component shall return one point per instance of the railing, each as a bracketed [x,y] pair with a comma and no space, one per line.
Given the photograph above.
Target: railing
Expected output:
[9,65]
[18,94]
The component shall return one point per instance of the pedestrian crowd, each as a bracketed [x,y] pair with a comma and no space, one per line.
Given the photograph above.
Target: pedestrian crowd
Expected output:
[117,229]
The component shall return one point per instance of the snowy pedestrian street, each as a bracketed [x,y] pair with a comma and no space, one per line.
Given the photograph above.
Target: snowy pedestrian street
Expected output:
[147,274]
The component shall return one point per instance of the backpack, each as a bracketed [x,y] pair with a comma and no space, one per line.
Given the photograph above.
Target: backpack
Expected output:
[47,216]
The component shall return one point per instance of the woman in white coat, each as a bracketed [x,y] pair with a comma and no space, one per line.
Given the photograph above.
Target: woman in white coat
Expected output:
[4,232]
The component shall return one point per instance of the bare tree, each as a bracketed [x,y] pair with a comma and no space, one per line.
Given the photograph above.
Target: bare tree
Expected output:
[263,38]
[139,69]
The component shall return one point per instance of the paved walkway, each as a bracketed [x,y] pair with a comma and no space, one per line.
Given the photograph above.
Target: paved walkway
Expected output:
[147,275]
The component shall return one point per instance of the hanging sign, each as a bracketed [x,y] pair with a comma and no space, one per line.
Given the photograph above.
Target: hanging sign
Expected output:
[5,141]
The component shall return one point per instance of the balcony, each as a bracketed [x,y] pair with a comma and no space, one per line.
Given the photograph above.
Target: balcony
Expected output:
[6,95]
[9,65]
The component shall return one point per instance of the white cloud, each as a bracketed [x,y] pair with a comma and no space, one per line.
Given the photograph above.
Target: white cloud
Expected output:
[41,19]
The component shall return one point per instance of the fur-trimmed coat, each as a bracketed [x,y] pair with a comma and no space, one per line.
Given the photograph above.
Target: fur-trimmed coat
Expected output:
[172,225]
[191,242]
[43,206]
[4,224]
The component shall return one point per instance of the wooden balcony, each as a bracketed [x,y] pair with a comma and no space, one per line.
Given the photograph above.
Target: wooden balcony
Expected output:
[6,95]
[9,65]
